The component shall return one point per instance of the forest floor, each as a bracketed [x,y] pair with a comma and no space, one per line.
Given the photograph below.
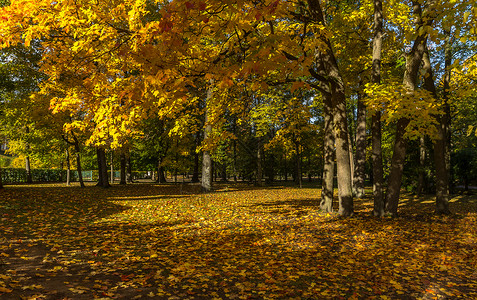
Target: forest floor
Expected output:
[149,241]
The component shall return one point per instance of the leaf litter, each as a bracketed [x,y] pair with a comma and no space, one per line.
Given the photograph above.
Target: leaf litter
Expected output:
[148,241]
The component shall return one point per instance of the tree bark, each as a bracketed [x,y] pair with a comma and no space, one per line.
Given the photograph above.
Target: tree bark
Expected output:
[206,158]
[442,180]
[78,161]
[123,169]
[327,187]
[413,62]
[377,152]
[360,165]
[102,168]
[129,177]
[161,178]
[338,96]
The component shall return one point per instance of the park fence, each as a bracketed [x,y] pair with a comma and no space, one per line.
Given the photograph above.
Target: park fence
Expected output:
[15,175]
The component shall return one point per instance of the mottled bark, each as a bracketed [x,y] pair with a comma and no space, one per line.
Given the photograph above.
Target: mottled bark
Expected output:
[377,156]
[333,77]
[327,187]
[207,172]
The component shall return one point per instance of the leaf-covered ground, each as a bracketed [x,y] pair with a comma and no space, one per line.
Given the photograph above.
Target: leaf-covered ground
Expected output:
[147,241]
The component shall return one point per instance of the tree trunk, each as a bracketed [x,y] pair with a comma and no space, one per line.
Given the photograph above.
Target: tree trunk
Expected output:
[102,168]
[377,158]
[298,172]
[338,96]
[377,152]
[360,166]
[29,178]
[68,167]
[327,188]
[442,180]
[78,161]
[161,178]
[413,62]
[206,158]
[342,150]
[129,177]
[123,169]
[397,166]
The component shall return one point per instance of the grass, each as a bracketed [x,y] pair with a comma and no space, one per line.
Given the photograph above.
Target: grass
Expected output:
[148,241]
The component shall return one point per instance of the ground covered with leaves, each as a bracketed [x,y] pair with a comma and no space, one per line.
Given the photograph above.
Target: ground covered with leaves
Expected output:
[146,241]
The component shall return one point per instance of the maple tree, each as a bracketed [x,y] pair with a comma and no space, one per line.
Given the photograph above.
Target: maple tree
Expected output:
[110,66]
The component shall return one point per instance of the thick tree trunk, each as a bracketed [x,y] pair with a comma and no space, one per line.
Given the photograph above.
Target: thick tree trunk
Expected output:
[338,96]
[102,168]
[207,172]
[123,169]
[68,167]
[377,156]
[360,165]
[329,158]
[413,62]
[342,151]
[442,180]
[397,166]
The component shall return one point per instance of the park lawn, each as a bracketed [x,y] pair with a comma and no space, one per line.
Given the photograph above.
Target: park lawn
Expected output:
[146,241]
